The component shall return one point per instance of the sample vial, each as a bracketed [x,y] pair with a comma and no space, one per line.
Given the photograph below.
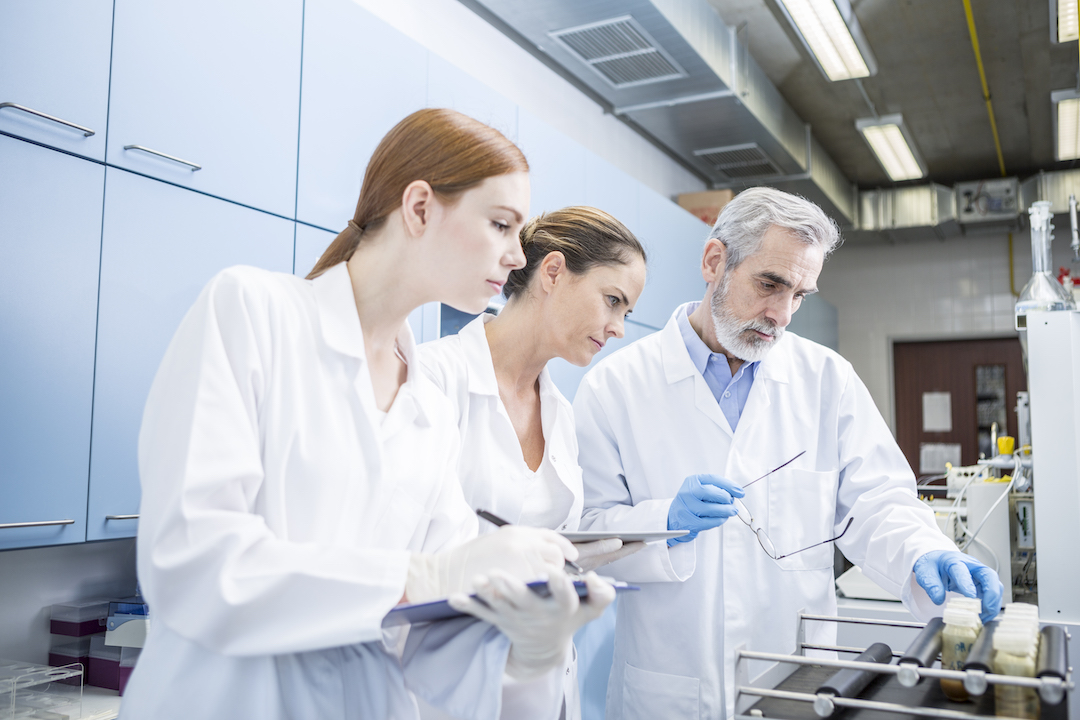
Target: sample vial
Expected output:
[1014,654]
[957,637]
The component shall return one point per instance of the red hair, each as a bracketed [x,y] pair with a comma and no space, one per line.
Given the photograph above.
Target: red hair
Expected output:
[450,151]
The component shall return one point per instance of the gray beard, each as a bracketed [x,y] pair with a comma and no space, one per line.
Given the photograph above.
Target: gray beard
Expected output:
[734,335]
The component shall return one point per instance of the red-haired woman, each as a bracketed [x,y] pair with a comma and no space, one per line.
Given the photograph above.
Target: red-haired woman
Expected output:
[299,473]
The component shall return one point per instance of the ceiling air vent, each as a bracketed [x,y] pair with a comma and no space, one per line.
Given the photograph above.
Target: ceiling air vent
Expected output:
[620,51]
[739,161]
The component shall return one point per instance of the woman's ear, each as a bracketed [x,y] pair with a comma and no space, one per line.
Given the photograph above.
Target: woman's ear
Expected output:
[417,207]
[551,270]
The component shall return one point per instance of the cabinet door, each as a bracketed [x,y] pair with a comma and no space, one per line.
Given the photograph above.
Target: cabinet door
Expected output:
[673,240]
[50,243]
[361,77]
[451,87]
[556,165]
[213,83]
[160,246]
[55,56]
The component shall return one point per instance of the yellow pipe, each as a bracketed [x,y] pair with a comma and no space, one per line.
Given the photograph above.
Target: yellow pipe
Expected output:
[985,88]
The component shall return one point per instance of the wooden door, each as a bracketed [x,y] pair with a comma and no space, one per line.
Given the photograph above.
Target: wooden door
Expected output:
[958,368]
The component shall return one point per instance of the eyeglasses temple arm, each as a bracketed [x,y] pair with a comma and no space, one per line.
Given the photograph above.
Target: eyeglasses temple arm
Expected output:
[781,467]
[823,542]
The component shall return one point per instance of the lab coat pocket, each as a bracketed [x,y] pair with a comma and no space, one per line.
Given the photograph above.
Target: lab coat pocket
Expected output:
[649,695]
[802,506]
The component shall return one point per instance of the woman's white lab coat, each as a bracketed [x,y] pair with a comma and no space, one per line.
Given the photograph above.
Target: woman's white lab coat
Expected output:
[649,420]
[492,472]
[278,513]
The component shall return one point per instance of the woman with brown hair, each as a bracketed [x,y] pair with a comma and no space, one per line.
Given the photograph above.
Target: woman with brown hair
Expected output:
[584,271]
[298,472]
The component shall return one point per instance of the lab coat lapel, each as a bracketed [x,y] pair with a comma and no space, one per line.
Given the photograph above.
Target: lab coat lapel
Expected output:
[679,368]
[769,379]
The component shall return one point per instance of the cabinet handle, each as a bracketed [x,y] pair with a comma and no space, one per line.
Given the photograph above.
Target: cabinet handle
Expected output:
[191,165]
[87,132]
[121,517]
[40,523]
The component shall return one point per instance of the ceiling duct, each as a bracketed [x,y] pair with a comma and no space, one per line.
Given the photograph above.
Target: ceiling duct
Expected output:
[740,161]
[912,213]
[620,51]
[1054,187]
[676,71]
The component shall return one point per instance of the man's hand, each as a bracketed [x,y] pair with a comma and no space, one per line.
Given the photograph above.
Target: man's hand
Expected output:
[940,571]
[703,502]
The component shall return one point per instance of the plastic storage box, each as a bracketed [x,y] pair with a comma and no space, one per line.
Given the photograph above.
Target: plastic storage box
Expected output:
[35,691]
[128,657]
[78,619]
[66,651]
[104,668]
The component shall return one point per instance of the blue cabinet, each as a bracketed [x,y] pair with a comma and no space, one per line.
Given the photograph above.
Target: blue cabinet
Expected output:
[50,241]
[55,60]
[674,240]
[209,84]
[160,246]
[361,77]
[556,165]
[448,86]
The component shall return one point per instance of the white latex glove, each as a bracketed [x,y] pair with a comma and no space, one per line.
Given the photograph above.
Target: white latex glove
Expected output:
[540,628]
[526,553]
[592,555]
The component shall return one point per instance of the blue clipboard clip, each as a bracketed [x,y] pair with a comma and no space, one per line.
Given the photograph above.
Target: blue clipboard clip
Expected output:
[441,610]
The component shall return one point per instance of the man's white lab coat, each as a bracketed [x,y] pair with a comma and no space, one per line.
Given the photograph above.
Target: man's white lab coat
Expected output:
[646,419]
[278,513]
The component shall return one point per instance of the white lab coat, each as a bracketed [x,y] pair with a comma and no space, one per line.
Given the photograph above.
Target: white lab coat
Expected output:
[492,469]
[278,513]
[646,419]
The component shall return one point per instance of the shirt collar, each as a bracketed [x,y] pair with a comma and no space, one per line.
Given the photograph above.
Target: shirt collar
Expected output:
[478,360]
[341,330]
[696,347]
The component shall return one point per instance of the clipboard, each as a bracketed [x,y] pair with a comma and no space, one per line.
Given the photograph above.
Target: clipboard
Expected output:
[441,610]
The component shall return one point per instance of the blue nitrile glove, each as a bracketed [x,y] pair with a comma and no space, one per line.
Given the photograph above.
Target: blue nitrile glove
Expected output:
[703,502]
[940,571]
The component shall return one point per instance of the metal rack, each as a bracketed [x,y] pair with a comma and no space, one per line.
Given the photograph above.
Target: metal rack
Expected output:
[787,691]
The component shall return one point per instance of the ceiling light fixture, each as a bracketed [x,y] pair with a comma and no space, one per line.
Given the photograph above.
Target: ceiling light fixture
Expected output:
[888,137]
[1066,124]
[831,32]
[1067,20]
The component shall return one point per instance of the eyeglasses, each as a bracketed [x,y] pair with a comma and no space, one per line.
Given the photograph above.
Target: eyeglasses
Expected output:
[759,532]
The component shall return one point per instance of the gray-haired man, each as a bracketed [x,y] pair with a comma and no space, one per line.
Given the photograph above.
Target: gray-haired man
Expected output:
[722,414]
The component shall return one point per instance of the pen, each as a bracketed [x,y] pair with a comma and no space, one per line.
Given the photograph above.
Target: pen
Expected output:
[499,522]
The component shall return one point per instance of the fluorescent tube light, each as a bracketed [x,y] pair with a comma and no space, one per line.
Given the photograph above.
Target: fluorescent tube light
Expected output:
[888,138]
[1067,122]
[836,43]
[1068,21]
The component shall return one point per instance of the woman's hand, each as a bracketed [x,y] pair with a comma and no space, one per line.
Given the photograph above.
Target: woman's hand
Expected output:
[540,628]
[592,555]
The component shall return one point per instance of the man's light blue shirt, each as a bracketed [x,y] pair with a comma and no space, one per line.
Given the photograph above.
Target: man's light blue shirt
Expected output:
[730,392]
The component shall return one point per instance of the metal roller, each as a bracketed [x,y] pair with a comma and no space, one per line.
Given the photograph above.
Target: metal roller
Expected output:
[981,656]
[1052,665]
[849,683]
[927,646]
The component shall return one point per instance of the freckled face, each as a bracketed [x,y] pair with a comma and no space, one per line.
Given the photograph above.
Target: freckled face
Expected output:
[478,241]
[589,309]
[754,302]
